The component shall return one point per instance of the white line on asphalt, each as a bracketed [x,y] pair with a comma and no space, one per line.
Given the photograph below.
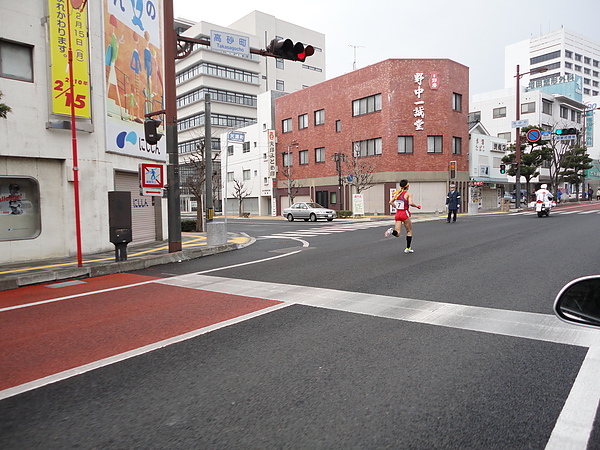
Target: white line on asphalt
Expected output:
[542,327]
[574,425]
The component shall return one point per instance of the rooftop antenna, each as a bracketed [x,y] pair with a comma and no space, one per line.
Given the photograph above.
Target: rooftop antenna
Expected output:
[355,47]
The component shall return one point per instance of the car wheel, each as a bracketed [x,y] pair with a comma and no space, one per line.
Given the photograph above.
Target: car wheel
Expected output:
[313,218]
[306,220]
[290,218]
[540,213]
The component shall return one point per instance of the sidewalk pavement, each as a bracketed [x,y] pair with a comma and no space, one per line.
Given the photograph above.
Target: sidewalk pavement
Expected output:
[194,245]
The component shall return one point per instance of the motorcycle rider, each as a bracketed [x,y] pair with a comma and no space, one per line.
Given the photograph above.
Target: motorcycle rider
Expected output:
[543,194]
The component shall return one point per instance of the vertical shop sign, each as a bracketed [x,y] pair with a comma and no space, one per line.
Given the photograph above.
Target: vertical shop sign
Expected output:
[58,22]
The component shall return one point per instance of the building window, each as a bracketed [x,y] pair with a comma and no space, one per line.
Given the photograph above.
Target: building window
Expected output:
[456,102]
[320,154]
[499,112]
[279,85]
[230,176]
[405,144]
[230,150]
[527,108]
[546,57]
[434,144]
[320,117]
[474,117]
[216,71]
[246,147]
[564,112]
[303,157]
[286,125]
[279,63]
[506,136]
[366,105]
[573,115]
[16,61]
[546,107]
[287,159]
[577,68]
[577,57]
[303,121]
[568,65]
[456,145]
[369,147]
[246,174]
[338,126]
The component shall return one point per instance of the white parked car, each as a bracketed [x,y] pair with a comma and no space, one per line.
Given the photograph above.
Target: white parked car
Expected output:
[308,211]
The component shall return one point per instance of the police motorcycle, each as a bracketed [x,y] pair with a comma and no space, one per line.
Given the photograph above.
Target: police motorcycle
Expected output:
[579,302]
[544,201]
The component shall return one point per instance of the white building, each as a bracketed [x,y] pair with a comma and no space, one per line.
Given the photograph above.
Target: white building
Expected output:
[113,88]
[485,157]
[235,81]
[248,167]
[565,55]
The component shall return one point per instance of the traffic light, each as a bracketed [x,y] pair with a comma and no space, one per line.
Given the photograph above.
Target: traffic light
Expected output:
[502,168]
[286,49]
[452,170]
[565,131]
[151,130]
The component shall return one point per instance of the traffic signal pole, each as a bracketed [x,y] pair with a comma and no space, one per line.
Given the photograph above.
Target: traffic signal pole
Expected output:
[173,208]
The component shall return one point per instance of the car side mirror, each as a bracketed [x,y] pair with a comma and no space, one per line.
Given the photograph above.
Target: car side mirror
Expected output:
[579,302]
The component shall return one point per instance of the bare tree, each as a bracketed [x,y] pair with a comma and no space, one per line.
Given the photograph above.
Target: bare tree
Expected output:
[193,177]
[362,171]
[293,185]
[241,193]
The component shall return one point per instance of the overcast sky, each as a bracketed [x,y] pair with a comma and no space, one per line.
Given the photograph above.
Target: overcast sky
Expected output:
[473,33]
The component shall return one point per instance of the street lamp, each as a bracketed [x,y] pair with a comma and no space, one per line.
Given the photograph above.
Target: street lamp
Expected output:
[518,76]
[338,158]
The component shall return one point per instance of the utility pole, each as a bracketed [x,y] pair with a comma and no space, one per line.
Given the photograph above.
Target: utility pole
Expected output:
[173,207]
[288,173]
[208,201]
[338,158]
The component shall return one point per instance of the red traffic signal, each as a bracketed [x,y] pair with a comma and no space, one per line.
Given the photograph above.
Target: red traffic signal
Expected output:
[151,131]
[286,49]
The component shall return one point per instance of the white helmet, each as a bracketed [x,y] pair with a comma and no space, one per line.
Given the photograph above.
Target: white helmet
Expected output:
[544,186]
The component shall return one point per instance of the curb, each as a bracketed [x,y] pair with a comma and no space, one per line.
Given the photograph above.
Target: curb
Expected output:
[50,276]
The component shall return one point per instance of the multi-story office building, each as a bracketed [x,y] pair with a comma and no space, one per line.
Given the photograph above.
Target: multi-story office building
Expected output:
[234,81]
[564,56]
[562,53]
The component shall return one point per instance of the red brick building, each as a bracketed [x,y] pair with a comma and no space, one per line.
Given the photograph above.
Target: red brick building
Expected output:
[407,118]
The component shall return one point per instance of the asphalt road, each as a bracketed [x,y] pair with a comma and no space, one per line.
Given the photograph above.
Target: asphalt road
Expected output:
[453,346]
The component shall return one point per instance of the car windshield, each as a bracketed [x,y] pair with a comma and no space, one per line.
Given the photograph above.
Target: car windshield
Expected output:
[313,205]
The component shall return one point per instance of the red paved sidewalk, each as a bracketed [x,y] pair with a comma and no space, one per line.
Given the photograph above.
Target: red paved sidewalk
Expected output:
[48,338]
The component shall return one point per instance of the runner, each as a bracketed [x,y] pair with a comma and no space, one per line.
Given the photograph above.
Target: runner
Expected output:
[402,200]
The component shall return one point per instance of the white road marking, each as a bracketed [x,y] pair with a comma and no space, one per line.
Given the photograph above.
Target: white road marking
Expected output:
[576,420]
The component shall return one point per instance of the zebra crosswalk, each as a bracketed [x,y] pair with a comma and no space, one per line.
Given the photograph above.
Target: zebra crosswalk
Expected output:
[559,213]
[331,229]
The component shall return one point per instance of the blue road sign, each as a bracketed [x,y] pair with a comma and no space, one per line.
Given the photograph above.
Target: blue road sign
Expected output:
[534,135]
